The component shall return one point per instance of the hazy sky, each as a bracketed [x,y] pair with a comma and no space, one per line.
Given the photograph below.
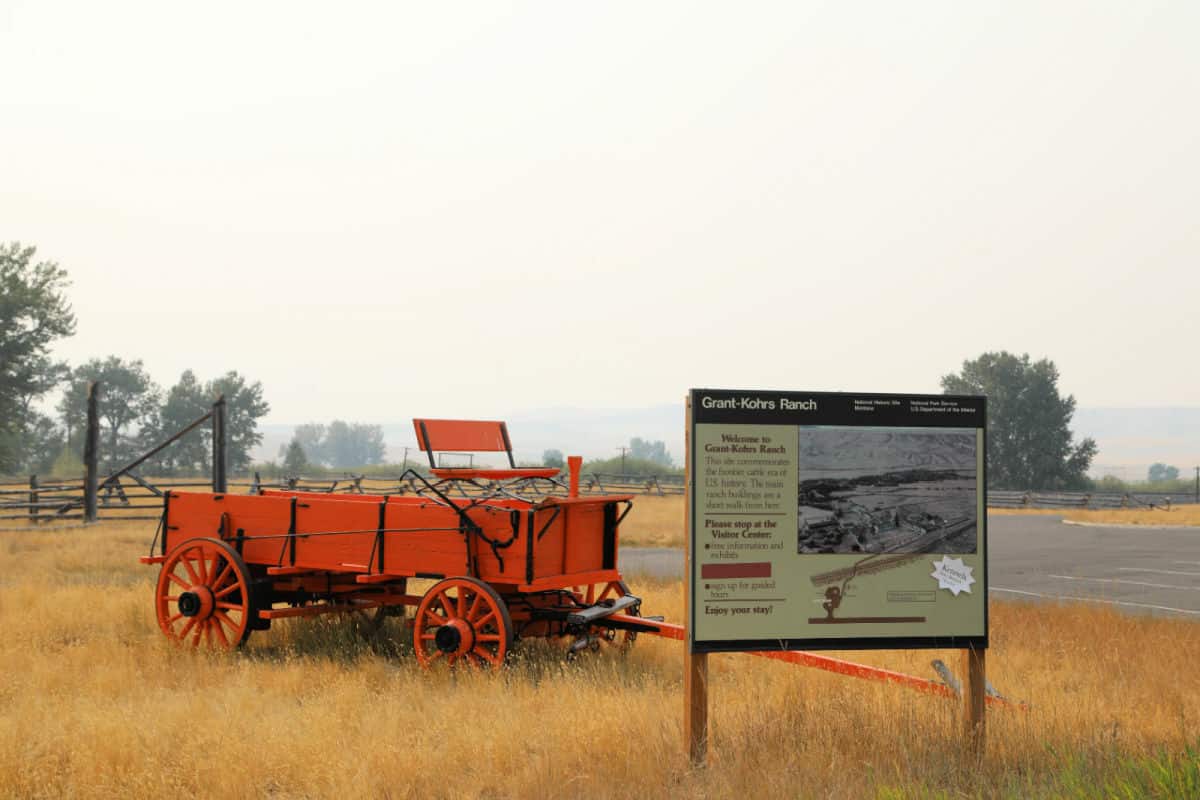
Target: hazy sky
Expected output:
[454,209]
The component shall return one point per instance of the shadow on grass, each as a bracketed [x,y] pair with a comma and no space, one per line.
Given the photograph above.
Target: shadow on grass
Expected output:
[350,638]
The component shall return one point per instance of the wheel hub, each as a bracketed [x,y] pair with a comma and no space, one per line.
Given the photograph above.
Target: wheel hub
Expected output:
[456,636]
[196,602]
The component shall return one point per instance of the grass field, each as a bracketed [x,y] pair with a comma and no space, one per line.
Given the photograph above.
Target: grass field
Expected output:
[654,522]
[95,703]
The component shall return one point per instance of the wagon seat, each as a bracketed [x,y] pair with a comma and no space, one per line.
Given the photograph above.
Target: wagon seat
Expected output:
[472,436]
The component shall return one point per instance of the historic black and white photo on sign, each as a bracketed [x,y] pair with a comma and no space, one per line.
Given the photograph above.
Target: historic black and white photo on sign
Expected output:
[887,490]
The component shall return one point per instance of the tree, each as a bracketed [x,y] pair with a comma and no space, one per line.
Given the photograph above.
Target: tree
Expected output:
[185,402]
[629,466]
[1162,472]
[294,460]
[34,313]
[128,397]
[41,443]
[553,458]
[354,444]
[1029,442]
[311,437]
[646,450]
[342,444]
[244,407]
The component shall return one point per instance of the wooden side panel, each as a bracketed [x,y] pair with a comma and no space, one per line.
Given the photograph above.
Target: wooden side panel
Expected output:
[194,514]
[435,548]
[584,550]
[549,555]
[573,542]
[350,550]
[505,565]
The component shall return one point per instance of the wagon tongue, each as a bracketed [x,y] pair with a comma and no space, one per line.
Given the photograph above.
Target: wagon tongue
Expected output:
[591,614]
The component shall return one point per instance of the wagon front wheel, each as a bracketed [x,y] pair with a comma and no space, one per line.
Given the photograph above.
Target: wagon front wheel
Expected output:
[203,595]
[462,621]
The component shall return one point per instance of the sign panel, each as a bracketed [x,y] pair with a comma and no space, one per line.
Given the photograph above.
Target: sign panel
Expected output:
[836,521]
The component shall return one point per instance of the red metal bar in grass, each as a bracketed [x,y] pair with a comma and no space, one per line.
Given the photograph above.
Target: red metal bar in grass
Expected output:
[669,630]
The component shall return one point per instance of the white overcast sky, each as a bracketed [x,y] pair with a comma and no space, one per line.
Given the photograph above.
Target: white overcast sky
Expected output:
[440,209]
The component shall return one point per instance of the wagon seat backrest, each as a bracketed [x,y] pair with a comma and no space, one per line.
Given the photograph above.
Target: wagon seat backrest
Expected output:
[471,436]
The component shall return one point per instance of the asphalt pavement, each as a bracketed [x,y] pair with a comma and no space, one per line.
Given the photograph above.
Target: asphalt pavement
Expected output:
[1146,570]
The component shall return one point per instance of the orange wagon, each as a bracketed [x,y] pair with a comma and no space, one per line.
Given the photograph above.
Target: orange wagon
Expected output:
[506,566]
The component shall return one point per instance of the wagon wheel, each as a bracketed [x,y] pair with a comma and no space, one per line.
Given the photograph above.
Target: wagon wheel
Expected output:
[203,595]
[465,621]
[595,593]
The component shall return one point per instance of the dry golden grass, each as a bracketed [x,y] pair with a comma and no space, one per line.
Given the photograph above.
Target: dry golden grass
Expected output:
[655,522]
[95,703]
[1179,515]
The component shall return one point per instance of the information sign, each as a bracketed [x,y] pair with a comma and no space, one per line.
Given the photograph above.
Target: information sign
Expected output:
[836,521]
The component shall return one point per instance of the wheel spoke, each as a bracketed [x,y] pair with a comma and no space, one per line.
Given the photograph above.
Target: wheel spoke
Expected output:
[487,637]
[174,619]
[451,659]
[187,565]
[220,629]
[227,590]
[196,635]
[202,566]
[178,579]
[438,621]
[191,623]
[428,637]
[208,626]
[230,606]
[484,654]
[448,605]
[474,607]
[462,602]
[491,615]
[221,615]
[221,578]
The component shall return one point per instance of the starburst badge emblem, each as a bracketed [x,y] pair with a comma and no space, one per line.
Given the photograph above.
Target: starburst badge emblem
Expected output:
[952,574]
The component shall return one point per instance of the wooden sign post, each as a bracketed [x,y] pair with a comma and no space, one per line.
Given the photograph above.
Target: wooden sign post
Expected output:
[695,665]
[974,697]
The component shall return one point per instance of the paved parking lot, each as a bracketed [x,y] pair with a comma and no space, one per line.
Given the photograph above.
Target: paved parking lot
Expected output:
[1140,570]
[1143,569]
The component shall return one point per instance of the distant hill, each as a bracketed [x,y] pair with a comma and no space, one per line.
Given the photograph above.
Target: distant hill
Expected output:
[1130,439]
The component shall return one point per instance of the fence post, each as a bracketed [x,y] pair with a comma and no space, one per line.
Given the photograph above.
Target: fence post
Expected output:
[218,437]
[33,499]
[91,453]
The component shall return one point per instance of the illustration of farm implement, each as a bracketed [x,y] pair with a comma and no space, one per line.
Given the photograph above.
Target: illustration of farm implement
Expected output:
[502,563]
[837,583]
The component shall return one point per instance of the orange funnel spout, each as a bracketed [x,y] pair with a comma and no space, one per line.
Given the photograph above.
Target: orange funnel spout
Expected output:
[574,464]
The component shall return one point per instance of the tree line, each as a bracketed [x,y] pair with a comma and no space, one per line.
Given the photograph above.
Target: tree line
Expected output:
[337,445]
[135,413]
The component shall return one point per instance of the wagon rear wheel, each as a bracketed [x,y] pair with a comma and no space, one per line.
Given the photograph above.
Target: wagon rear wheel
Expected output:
[203,595]
[462,621]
